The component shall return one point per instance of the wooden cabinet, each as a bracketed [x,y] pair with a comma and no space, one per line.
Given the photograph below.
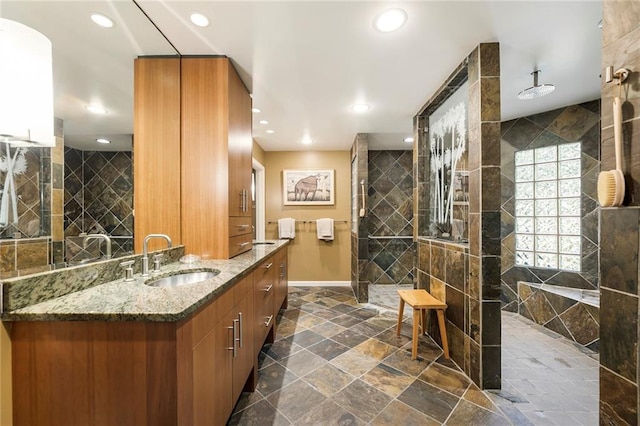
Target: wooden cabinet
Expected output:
[224,359]
[265,285]
[159,373]
[156,163]
[216,159]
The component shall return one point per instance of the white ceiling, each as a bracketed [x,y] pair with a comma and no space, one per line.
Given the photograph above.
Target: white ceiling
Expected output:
[307,62]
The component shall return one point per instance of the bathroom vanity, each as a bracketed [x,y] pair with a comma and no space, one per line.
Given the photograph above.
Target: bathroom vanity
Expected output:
[129,353]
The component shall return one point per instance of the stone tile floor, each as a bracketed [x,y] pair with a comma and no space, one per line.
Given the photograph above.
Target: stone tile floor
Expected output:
[335,361]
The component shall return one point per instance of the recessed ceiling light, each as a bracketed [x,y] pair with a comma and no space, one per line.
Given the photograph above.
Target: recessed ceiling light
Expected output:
[256,110]
[307,140]
[271,131]
[360,108]
[102,20]
[390,20]
[103,140]
[198,19]
[95,109]
[408,140]
[264,122]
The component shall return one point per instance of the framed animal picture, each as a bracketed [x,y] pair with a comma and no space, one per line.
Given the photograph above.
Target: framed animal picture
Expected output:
[308,187]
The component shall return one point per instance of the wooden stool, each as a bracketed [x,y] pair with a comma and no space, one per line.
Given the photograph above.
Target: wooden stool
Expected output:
[421,301]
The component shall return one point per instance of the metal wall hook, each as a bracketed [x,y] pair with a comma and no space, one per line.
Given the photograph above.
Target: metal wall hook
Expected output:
[620,75]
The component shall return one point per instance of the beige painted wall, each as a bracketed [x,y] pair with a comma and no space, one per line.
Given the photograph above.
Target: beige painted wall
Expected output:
[6,415]
[309,258]
[258,152]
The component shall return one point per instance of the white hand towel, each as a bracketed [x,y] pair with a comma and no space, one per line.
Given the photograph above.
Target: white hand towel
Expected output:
[287,228]
[325,229]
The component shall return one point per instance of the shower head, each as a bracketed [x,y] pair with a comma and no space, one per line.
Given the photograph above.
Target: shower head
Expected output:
[537,90]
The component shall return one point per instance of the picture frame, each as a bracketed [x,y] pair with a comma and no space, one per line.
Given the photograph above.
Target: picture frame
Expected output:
[308,187]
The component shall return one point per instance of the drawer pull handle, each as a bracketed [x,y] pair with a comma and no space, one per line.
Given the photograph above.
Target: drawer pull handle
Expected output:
[242,226]
[268,289]
[240,327]
[244,244]
[233,347]
[268,265]
[267,323]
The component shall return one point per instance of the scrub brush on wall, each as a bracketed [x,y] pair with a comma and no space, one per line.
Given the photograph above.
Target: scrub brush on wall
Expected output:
[611,182]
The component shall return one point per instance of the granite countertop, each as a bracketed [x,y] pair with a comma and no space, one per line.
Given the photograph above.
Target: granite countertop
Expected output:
[121,300]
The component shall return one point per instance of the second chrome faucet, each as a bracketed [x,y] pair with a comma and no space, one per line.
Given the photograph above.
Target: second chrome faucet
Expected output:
[145,257]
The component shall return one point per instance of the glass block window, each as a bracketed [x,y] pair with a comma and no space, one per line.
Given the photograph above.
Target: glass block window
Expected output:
[547,207]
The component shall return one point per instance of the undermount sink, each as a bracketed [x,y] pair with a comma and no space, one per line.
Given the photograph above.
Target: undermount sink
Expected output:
[258,243]
[183,278]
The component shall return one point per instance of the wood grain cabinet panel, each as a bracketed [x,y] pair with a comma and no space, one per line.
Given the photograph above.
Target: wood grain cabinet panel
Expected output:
[216,155]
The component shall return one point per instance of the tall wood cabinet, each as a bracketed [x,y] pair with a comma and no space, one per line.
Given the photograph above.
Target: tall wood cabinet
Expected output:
[192,162]
[216,158]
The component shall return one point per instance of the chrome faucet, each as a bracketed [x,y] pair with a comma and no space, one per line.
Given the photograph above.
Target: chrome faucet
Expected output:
[85,242]
[145,257]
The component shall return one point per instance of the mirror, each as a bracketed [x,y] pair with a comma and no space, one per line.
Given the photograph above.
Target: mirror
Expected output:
[53,195]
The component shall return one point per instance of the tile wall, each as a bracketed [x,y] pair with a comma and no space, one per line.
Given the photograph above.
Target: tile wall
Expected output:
[98,198]
[472,292]
[620,239]
[563,125]
[359,240]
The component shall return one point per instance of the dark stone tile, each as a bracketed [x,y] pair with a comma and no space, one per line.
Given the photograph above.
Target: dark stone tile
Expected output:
[424,257]
[573,123]
[302,362]
[401,360]
[31,254]
[429,400]
[474,320]
[330,413]
[328,349]
[259,413]
[364,313]
[490,184]
[546,138]
[619,332]
[581,324]
[398,413]
[390,337]
[491,323]
[446,379]
[619,249]
[438,262]
[522,133]
[456,269]
[362,400]
[455,307]
[559,303]
[618,400]
[490,133]
[591,141]
[349,338]
[490,59]
[345,309]
[490,99]
[539,308]
[474,152]
[296,399]
[491,284]
[474,277]
[490,233]
[474,65]
[273,377]
[474,234]
[305,338]
[491,367]
[474,191]
[281,349]
[515,274]
[467,413]
[366,329]
[544,119]
[388,380]
[346,320]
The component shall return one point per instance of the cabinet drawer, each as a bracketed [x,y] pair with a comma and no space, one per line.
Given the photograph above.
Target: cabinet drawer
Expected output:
[239,226]
[239,244]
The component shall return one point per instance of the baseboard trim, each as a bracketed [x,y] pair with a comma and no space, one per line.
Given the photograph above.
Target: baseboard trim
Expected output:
[319,283]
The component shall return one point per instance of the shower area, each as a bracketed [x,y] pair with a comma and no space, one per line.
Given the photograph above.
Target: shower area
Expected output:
[383,251]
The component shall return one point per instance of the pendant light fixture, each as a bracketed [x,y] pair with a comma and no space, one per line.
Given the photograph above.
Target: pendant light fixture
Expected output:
[26,86]
[537,90]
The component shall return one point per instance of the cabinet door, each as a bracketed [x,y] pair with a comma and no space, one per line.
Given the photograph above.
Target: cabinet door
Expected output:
[212,375]
[240,145]
[264,289]
[245,355]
